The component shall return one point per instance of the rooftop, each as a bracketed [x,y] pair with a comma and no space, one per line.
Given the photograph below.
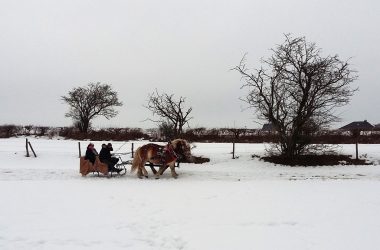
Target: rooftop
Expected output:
[359,125]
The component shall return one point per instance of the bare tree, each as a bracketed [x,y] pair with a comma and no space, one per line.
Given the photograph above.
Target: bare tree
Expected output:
[237,132]
[172,112]
[88,102]
[296,89]
[166,129]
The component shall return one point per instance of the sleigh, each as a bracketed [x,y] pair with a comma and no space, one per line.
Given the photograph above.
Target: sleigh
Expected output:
[86,167]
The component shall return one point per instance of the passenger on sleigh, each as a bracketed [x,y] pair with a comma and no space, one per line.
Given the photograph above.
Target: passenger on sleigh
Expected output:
[91,153]
[106,157]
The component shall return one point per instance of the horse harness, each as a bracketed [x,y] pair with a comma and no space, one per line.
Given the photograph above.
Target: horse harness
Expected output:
[167,152]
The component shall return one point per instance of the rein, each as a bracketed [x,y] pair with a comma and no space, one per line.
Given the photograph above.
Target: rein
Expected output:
[120,147]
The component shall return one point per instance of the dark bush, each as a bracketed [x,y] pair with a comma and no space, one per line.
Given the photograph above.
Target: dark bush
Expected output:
[7,131]
[315,160]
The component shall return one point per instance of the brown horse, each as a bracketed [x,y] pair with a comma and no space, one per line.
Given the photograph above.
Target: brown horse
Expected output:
[160,155]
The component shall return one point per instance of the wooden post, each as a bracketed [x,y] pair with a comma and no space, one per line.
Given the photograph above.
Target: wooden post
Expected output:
[233,150]
[132,150]
[80,154]
[30,145]
[27,149]
[356,134]
[357,151]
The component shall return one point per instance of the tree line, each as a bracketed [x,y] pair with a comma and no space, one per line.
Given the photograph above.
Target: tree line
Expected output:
[200,134]
[296,89]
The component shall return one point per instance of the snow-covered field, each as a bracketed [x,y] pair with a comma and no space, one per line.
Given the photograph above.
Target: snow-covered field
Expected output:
[224,204]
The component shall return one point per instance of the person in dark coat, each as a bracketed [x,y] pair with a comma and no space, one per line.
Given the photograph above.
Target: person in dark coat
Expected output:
[106,157]
[91,153]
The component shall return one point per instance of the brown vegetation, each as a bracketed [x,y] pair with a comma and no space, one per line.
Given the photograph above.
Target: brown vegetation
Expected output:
[114,134]
[316,160]
[225,135]
[197,160]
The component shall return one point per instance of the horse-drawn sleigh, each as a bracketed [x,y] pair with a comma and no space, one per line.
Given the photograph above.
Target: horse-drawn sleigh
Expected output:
[151,155]
[99,167]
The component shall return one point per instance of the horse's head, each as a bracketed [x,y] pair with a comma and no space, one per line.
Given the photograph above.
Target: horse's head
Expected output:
[182,148]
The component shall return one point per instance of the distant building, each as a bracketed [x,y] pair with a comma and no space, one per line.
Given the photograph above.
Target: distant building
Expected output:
[361,125]
[355,128]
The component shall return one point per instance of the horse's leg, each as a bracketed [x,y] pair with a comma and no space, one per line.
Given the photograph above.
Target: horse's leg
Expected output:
[143,169]
[139,173]
[172,169]
[163,168]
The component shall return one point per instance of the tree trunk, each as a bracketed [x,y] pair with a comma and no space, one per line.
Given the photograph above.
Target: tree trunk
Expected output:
[179,131]
[289,146]
[84,125]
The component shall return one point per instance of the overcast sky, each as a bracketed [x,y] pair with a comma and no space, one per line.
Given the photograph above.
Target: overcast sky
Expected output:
[185,48]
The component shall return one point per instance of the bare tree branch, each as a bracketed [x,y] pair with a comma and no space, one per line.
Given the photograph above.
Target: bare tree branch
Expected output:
[171,111]
[297,89]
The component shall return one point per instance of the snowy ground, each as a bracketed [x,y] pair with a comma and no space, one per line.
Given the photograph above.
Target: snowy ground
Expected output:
[224,204]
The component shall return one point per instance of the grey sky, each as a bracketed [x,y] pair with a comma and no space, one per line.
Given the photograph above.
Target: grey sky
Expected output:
[182,47]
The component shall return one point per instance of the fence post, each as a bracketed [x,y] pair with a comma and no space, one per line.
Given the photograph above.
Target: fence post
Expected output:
[357,153]
[30,145]
[27,149]
[233,150]
[80,153]
[132,149]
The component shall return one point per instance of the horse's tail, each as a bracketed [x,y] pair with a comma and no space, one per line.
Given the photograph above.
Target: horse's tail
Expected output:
[136,160]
